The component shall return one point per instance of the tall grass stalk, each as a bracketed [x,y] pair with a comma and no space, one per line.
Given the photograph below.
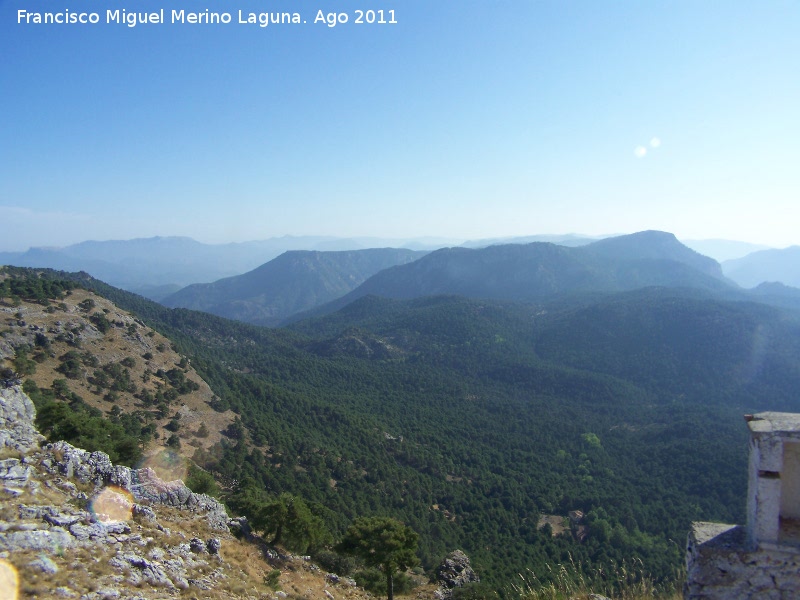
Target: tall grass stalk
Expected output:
[625,581]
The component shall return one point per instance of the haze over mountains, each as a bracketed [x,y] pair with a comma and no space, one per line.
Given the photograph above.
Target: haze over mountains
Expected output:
[722,250]
[295,281]
[513,268]
[303,281]
[540,271]
[156,267]
[766,265]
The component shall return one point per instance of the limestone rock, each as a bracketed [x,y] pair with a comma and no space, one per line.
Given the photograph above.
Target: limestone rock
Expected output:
[149,571]
[144,484]
[35,512]
[213,545]
[145,512]
[47,540]
[63,520]
[455,571]
[13,471]
[17,415]
[240,526]
[44,564]
[41,535]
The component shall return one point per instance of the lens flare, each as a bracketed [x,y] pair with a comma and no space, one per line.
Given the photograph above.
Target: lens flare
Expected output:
[112,505]
[168,465]
[9,581]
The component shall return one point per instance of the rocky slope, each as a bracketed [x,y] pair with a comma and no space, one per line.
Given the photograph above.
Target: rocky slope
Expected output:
[73,525]
[111,359]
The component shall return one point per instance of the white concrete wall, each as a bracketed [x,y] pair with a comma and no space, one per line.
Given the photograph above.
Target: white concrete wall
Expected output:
[764,493]
[752,491]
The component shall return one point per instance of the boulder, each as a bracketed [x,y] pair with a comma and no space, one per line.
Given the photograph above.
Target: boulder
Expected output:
[213,545]
[44,564]
[17,415]
[144,484]
[455,571]
[13,472]
[51,540]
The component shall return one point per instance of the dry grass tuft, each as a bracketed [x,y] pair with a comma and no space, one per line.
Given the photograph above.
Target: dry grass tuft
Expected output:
[626,581]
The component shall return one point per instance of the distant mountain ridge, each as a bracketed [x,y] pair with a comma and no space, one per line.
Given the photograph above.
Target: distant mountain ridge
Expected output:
[141,264]
[293,282]
[157,266]
[538,271]
[722,250]
[653,245]
[772,265]
[569,239]
[160,266]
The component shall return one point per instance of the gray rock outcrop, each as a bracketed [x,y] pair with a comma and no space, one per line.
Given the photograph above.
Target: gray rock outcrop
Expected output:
[53,515]
[454,571]
[145,486]
[17,415]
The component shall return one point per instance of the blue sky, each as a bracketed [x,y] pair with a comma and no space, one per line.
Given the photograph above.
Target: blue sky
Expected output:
[466,119]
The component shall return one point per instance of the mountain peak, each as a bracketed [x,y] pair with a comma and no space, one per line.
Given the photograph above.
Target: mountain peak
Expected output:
[654,245]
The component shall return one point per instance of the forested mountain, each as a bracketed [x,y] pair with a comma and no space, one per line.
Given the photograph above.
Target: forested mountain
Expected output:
[653,246]
[538,271]
[782,266]
[293,282]
[158,266]
[776,294]
[471,419]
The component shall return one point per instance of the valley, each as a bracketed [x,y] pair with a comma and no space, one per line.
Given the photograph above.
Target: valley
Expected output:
[612,386]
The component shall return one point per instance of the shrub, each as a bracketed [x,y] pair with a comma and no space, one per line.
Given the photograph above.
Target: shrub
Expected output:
[22,364]
[201,482]
[333,562]
[374,581]
[271,579]
[87,305]
[99,320]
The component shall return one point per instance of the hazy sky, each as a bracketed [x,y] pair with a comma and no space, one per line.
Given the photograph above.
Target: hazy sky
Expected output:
[466,119]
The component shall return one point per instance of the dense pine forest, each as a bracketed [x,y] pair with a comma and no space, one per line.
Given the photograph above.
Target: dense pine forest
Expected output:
[469,419]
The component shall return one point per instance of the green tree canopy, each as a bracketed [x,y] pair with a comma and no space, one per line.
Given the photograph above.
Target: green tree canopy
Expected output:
[286,518]
[382,542]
